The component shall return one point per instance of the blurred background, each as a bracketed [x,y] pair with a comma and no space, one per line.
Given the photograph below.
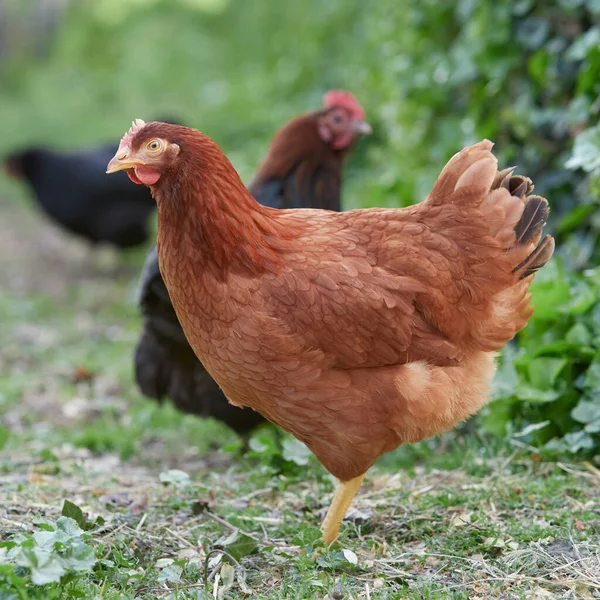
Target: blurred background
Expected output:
[474,507]
[432,76]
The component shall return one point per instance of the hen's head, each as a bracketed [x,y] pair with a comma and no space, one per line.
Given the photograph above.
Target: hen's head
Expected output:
[148,151]
[341,120]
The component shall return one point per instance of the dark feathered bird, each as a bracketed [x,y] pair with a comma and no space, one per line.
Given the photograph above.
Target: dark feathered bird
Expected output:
[73,189]
[301,170]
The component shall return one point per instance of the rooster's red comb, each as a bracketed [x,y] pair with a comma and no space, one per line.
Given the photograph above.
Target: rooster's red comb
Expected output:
[344,99]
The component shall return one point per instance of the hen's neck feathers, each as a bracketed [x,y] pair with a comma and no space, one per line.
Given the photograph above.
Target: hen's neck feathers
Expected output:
[204,208]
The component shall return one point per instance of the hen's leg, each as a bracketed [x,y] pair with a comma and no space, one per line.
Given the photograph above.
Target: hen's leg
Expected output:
[345,492]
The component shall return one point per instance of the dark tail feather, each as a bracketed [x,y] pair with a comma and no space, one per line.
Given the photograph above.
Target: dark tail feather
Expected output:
[529,228]
[537,259]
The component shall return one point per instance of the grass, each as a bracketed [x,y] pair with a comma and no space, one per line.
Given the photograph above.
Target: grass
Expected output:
[160,505]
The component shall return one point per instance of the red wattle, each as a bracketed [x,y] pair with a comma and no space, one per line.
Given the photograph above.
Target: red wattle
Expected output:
[146,175]
[131,175]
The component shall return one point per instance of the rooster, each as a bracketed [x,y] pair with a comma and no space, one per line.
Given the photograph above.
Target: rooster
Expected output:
[355,331]
[301,170]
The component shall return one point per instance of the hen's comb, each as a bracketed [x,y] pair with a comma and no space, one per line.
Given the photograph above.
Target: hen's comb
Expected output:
[135,128]
[344,99]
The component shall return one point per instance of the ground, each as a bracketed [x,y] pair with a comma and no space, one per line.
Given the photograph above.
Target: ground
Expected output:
[172,509]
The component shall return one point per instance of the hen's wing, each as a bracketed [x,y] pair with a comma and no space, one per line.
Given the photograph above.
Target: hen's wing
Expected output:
[432,282]
[341,295]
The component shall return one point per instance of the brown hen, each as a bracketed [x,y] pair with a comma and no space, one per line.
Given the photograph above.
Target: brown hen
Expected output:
[301,170]
[355,331]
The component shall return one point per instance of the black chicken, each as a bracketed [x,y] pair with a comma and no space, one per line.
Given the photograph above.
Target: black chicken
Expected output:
[74,191]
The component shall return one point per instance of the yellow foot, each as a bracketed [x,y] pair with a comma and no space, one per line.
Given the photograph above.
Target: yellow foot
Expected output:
[342,499]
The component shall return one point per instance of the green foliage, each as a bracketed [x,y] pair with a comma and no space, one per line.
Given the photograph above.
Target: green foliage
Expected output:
[57,554]
[547,387]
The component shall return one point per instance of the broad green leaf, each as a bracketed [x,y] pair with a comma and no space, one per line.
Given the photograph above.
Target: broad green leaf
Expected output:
[170,573]
[578,216]
[497,415]
[47,539]
[79,557]
[584,43]
[586,152]
[74,512]
[44,564]
[593,427]
[506,377]
[69,527]
[307,536]
[565,348]
[578,440]
[548,297]
[544,371]
[586,411]
[579,335]
[239,544]
[175,477]
[528,393]
[49,572]
[45,525]
[295,451]
[592,377]
[263,444]
[583,297]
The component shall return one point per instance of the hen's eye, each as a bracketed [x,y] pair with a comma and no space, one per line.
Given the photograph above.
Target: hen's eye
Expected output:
[337,119]
[153,145]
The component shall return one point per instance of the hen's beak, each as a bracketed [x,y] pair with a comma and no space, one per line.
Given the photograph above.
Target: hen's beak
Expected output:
[362,127]
[122,161]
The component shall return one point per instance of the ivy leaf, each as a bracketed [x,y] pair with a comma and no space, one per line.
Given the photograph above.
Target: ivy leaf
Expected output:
[587,412]
[79,557]
[74,512]
[171,573]
[544,371]
[45,566]
[529,393]
[295,451]
[586,151]
[175,477]
[239,544]
[578,440]
[69,527]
